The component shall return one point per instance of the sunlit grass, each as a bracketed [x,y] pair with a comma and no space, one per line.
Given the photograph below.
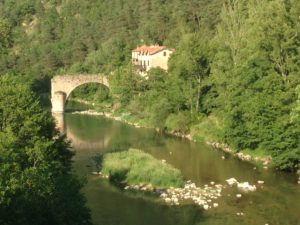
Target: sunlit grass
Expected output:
[135,167]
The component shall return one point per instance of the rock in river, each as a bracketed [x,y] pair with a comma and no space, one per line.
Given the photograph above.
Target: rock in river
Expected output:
[231,181]
[245,186]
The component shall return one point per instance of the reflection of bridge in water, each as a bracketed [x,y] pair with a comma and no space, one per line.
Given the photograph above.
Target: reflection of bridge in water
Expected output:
[77,142]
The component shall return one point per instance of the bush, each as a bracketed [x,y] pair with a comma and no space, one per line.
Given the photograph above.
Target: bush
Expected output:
[179,122]
[207,130]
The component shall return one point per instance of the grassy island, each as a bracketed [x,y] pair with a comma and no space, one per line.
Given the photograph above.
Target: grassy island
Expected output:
[135,167]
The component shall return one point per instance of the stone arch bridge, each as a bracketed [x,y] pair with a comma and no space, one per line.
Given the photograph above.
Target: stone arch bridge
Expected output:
[62,86]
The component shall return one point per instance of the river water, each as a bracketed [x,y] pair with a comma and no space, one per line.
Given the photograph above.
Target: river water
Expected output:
[277,201]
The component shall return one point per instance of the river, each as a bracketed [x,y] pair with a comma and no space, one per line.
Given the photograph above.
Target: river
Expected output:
[277,201]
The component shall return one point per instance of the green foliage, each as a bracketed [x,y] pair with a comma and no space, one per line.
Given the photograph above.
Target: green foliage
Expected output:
[207,129]
[135,167]
[180,122]
[5,34]
[124,84]
[190,64]
[36,183]
[94,93]
[255,76]
[96,36]
[238,62]
[98,161]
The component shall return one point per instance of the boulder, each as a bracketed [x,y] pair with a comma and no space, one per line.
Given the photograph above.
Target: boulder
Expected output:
[231,181]
[245,186]
[168,200]
[238,195]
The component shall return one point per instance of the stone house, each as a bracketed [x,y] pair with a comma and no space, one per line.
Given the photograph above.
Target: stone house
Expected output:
[146,57]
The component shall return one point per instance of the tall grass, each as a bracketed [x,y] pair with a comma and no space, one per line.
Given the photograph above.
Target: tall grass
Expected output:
[135,166]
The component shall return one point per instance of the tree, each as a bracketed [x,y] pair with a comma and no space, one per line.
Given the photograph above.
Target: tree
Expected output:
[36,183]
[191,64]
[251,51]
[124,84]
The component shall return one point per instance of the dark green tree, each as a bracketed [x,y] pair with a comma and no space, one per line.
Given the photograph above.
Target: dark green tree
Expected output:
[36,182]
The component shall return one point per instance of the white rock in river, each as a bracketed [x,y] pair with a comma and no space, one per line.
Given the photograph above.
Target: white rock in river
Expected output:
[260,182]
[245,186]
[231,181]
[168,200]
[215,205]
[163,195]
[175,199]
[205,207]
[238,195]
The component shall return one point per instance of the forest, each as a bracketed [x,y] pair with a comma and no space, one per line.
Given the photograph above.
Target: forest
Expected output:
[234,77]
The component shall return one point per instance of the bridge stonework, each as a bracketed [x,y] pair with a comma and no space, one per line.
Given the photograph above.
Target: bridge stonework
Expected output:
[62,86]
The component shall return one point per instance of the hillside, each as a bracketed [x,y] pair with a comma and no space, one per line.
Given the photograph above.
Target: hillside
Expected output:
[233,77]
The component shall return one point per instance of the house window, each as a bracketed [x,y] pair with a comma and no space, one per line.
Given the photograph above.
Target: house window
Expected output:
[165,53]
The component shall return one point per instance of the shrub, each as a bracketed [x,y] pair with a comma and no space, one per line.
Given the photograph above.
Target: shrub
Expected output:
[179,122]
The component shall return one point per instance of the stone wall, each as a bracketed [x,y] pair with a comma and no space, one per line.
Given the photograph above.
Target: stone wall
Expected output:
[62,86]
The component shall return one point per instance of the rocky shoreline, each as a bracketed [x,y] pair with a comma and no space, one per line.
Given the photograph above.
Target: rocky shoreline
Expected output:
[244,157]
[205,197]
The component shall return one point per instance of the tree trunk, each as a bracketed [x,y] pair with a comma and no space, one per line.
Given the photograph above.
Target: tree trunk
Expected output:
[198,93]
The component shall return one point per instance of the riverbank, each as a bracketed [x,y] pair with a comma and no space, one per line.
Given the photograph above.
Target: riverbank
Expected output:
[125,117]
[196,161]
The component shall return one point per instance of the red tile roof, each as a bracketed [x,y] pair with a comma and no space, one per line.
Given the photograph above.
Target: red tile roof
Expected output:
[149,49]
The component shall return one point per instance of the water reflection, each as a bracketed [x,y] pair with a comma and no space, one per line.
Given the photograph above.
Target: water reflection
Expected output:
[275,202]
[60,122]
[78,137]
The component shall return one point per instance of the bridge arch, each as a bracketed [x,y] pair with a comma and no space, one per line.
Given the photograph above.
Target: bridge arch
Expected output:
[62,86]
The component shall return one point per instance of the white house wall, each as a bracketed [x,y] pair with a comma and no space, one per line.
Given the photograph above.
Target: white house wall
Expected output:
[159,60]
